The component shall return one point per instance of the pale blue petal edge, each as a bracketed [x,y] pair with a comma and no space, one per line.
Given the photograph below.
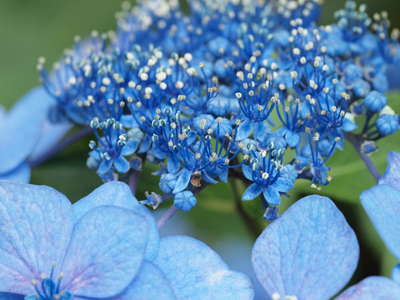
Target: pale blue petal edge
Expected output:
[309,252]
[392,173]
[22,127]
[372,288]
[195,271]
[22,174]
[382,204]
[119,194]
[150,283]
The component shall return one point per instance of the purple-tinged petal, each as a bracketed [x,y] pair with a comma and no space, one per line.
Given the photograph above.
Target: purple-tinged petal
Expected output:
[183,181]
[22,127]
[372,288]
[119,194]
[244,130]
[392,173]
[272,195]
[195,271]
[7,296]
[309,252]
[105,253]
[252,191]
[382,204]
[35,229]
[121,164]
[50,135]
[20,174]
[150,283]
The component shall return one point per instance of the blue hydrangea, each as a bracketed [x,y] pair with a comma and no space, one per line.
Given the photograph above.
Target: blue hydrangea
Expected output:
[310,252]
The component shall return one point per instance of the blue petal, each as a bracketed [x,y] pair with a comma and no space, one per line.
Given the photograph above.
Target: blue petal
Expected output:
[21,174]
[348,125]
[272,195]
[392,173]
[292,138]
[35,230]
[119,194]
[182,181]
[105,166]
[372,288]
[196,272]
[121,164]
[7,296]
[244,130]
[223,174]
[252,191]
[382,204]
[50,135]
[105,253]
[208,178]
[145,145]
[309,252]
[283,185]
[149,284]
[247,172]
[22,127]
[130,148]
[173,164]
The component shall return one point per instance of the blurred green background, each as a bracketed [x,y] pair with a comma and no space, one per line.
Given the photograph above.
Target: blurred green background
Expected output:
[33,28]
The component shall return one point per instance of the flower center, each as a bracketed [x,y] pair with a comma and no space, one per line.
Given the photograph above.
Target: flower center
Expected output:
[48,289]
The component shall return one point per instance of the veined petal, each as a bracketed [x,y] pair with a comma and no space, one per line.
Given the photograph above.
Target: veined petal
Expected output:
[252,191]
[105,166]
[173,164]
[196,272]
[119,194]
[309,252]
[372,288]
[22,127]
[392,173]
[149,284]
[35,229]
[382,204]
[105,253]
[20,174]
[348,125]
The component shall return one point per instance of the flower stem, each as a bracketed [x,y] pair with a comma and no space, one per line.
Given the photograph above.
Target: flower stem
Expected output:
[59,147]
[166,216]
[356,142]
